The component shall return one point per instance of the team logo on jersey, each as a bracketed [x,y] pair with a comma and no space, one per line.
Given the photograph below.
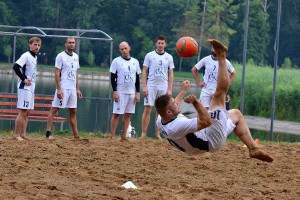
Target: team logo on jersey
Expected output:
[164,133]
[159,71]
[128,77]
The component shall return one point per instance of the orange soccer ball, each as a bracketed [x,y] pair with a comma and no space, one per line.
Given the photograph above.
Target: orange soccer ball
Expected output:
[186,47]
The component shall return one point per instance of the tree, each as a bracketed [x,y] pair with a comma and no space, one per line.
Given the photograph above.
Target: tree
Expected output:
[258,36]
[8,53]
[91,58]
[258,33]
[220,15]
[289,30]
[287,64]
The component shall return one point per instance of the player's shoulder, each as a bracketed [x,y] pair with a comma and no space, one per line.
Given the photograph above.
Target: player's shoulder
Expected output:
[26,54]
[134,59]
[151,53]
[206,58]
[75,54]
[61,54]
[168,55]
[116,59]
[228,63]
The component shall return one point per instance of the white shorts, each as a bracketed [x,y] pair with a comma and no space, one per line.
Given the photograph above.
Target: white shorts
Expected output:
[217,133]
[153,93]
[206,97]
[25,99]
[126,104]
[69,99]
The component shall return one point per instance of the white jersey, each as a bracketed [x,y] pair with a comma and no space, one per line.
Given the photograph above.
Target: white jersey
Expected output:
[158,66]
[69,64]
[210,76]
[126,70]
[182,132]
[28,62]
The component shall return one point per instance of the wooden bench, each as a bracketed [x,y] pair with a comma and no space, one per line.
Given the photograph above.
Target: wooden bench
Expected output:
[42,105]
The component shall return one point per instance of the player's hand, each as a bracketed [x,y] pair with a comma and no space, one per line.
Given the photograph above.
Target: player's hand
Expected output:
[60,94]
[116,96]
[202,84]
[79,94]
[137,97]
[185,85]
[145,91]
[169,92]
[190,99]
[27,82]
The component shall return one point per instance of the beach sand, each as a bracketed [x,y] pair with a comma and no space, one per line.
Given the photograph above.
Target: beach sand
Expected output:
[96,168]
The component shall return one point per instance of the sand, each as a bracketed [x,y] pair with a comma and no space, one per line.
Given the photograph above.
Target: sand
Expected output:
[96,168]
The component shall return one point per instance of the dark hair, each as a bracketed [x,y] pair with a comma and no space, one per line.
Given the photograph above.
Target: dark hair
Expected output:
[161,103]
[161,37]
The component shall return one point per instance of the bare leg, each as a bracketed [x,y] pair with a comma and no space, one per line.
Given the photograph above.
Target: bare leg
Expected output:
[24,128]
[157,132]
[114,124]
[125,124]
[73,122]
[20,124]
[243,132]
[218,99]
[145,120]
[50,119]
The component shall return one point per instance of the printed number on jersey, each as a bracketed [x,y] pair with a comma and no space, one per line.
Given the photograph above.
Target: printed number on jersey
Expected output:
[215,115]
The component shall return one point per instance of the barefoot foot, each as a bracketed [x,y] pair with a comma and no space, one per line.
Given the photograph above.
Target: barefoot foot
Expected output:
[124,139]
[220,49]
[260,155]
[158,137]
[19,138]
[143,136]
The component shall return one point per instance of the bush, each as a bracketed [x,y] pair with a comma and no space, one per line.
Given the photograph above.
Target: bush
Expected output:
[91,58]
[258,91]
[287,64]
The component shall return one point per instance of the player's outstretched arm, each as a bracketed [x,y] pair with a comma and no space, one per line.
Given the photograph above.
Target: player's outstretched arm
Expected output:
[204,119]
[185,86]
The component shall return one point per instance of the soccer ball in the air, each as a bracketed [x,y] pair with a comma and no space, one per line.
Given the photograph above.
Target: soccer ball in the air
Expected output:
[186,47]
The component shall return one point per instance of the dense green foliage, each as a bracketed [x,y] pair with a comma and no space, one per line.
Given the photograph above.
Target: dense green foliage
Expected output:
[140,21]
[259,89]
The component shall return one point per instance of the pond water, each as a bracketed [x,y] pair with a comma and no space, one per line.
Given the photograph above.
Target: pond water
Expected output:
[94,110]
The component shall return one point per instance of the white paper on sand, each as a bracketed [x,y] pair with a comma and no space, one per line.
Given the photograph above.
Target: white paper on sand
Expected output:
[129,185]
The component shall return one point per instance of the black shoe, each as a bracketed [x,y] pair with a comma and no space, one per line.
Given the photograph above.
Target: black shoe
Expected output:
[48,134]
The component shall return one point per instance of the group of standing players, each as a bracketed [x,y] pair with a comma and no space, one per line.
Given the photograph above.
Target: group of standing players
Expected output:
[207,132]
[66,80]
